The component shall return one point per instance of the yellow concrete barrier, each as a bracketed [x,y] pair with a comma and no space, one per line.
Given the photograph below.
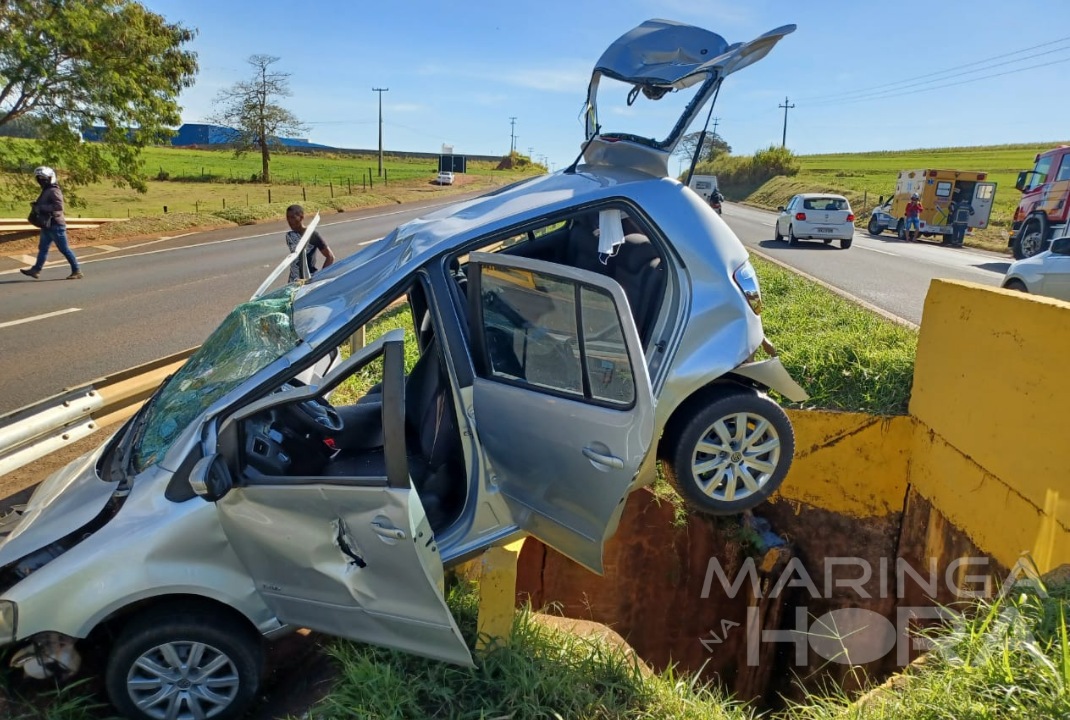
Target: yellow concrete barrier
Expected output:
[495,570]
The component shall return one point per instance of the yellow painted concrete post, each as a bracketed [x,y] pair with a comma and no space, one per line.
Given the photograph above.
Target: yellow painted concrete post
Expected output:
[356,341]
[497,593]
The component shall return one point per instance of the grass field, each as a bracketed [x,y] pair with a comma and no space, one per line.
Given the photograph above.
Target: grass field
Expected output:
[210,181]
[864,177]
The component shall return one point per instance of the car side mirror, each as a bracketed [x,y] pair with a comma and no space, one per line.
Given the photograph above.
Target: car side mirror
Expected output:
[1060,246]
[1019,184]
[780,208]
[210,478]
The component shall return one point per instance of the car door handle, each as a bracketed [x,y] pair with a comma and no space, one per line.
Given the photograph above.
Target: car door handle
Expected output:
[610,460]
[392,533]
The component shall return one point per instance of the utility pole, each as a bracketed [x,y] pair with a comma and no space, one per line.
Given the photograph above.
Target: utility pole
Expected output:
[784,137]
[716,122]
[512,135]
[380,91]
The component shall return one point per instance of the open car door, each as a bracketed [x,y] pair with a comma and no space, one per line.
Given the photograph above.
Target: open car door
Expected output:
[563,404]
[352,556]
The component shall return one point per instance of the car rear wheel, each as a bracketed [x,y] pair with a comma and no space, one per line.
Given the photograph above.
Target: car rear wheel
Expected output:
[1016,285]
[776,231]
[874,227]
[846,243]
[792,240]
[901,230]
[174,664]
[732,454]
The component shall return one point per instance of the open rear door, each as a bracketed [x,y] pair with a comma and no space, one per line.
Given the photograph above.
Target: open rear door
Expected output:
[983,196]
[563,403]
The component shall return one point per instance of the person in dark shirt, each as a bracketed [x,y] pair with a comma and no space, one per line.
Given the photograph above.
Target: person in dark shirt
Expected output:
[49,205]
[305,265]
[960,210]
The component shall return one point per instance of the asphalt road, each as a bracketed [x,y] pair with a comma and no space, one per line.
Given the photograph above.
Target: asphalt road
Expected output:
[141,303]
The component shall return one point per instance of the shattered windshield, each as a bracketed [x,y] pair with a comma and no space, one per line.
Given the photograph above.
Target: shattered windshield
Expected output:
[252,336]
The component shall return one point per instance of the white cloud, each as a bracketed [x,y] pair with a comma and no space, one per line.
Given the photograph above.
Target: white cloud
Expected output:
[405,107]
[569,78]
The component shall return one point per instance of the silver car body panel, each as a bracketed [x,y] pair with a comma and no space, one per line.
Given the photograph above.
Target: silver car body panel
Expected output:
[771,374]
[69,499]
[1045,273]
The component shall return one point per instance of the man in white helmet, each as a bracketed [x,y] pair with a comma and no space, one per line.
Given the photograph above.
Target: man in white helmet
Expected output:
[47,214]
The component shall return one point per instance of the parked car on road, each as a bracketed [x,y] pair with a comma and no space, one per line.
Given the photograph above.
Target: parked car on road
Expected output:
[816,216]
[445,178]
[565,332]
[1047,273]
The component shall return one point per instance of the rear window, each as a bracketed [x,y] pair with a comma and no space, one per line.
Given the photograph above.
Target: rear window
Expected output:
[829,203]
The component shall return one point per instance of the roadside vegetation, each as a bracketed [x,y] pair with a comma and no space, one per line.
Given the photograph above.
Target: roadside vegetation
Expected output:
[844,356]
[769,181]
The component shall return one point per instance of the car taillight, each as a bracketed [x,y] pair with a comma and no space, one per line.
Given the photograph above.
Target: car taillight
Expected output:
[850,217]
[747,281]
[800,216]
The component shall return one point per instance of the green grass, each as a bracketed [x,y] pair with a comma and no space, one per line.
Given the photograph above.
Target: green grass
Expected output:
[1010,658]
[844,356]
[541,673]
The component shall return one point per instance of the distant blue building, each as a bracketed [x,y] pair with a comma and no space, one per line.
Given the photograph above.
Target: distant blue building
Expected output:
[204,134]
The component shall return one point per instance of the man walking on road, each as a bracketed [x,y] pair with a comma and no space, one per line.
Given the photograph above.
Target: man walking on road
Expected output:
[913,218]
[48,209]
[305,265]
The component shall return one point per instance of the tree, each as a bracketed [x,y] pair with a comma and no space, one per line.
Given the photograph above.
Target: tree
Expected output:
[250,109]
[67,65]
[712,146]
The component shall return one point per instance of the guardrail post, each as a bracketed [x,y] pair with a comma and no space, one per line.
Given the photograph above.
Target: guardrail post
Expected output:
[495,571]
[356,341]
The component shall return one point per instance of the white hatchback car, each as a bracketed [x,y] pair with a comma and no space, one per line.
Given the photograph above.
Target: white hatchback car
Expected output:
[445,178]
[1047,273]
[815,216]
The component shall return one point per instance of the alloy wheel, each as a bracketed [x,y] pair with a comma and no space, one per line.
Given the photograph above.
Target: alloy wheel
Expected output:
[183,681]
[736,456]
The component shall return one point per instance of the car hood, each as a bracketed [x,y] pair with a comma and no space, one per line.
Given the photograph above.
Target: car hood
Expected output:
[655,58]
[1029,265]
[68,500]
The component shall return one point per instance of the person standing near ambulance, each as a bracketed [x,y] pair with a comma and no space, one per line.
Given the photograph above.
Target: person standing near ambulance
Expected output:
[913,218]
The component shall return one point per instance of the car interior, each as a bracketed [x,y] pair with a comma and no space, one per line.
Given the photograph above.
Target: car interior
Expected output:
[340,434]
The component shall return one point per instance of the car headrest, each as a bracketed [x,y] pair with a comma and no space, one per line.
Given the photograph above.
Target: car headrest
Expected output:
[636,253]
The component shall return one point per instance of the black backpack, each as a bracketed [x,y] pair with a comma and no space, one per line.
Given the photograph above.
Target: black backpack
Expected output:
[40,219]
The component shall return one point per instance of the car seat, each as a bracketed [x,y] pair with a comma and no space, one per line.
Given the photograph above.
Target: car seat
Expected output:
[638,269]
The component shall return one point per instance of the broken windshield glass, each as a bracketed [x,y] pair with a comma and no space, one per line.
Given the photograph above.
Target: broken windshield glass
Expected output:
[252,336]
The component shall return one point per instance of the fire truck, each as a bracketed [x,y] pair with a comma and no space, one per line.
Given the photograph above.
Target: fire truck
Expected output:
[1042,212]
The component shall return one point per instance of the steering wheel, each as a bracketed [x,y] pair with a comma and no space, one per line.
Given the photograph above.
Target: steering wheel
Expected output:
[316,415]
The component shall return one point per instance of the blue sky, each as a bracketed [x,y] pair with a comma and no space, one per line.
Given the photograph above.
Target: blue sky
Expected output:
[457,72]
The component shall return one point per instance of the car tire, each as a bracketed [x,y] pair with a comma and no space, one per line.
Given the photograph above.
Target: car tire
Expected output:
[901,230]
[827,241]
[1030,241]
[792,240]
[167,639]
[1016,285]
[776,232]
[705,485]
[846,243]
[874,227]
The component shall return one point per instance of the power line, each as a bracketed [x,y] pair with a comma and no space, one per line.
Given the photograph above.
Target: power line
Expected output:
[939,87]
[948,70]
[892,86]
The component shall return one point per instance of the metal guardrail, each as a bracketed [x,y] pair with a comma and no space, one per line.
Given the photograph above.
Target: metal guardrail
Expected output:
[36,430]
[20,224]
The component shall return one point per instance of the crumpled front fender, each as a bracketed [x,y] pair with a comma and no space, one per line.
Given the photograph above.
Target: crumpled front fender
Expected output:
[772,374]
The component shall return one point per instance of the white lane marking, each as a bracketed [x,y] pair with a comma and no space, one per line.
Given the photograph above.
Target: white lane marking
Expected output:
[9,323]
[882,252]
[94,259]
[28,259]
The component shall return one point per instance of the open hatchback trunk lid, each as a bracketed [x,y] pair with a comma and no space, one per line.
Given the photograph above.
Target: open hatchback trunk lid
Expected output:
[656,58]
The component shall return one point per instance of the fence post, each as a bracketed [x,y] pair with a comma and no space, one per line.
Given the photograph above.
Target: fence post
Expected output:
[304,195]
[349,184]
[197,206]
[356,341]
[247,199]
[224,203]
[385,176]
[865,201]
[269,196]
[364,183]
[331,183]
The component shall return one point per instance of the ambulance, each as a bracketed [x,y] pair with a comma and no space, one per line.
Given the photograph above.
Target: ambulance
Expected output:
[936,189]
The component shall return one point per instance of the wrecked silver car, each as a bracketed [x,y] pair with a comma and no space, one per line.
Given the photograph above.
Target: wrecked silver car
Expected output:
[551,341]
